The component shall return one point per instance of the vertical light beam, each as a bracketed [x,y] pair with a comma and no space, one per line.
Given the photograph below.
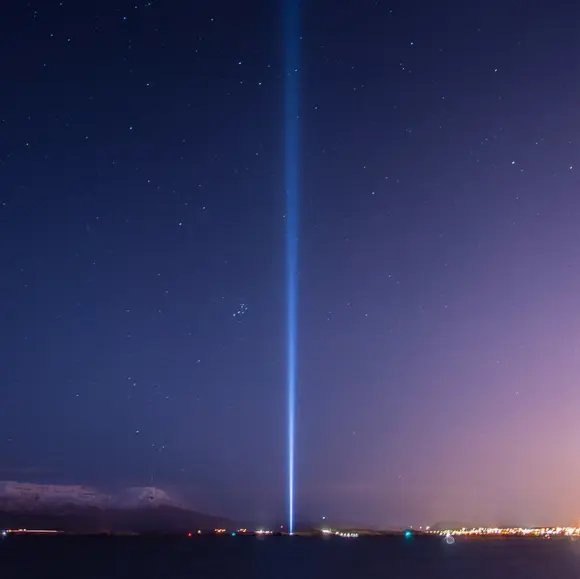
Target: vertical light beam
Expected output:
[291,183]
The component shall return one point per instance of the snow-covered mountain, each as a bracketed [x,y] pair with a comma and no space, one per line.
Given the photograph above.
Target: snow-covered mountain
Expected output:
[135,497]
[28,495]
[83,509]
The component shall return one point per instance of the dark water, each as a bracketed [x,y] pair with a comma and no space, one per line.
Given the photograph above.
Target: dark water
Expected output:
[286,557]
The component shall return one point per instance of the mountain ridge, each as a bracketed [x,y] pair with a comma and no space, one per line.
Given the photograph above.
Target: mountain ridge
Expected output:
[32,494]
[84,509]
[79,519]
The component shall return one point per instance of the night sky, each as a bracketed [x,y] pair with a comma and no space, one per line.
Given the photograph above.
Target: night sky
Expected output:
[142,235]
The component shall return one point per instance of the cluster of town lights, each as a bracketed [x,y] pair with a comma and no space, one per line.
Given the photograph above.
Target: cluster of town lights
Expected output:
[448,534]
[328,532]
[242,531]
[29,532]
[512,532]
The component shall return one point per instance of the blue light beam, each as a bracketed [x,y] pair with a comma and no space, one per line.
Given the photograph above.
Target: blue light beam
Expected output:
[291,184]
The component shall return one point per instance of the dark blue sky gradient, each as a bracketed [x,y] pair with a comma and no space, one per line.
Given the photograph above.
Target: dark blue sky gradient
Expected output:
[142,312]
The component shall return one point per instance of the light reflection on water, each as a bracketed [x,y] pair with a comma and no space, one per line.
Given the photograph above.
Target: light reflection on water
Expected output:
[283,557]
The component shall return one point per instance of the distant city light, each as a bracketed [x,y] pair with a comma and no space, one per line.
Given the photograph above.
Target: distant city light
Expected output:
[30,532]
[328,532]
[545,532]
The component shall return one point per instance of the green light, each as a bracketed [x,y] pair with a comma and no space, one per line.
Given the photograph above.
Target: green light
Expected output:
[233,534]
[408,534]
